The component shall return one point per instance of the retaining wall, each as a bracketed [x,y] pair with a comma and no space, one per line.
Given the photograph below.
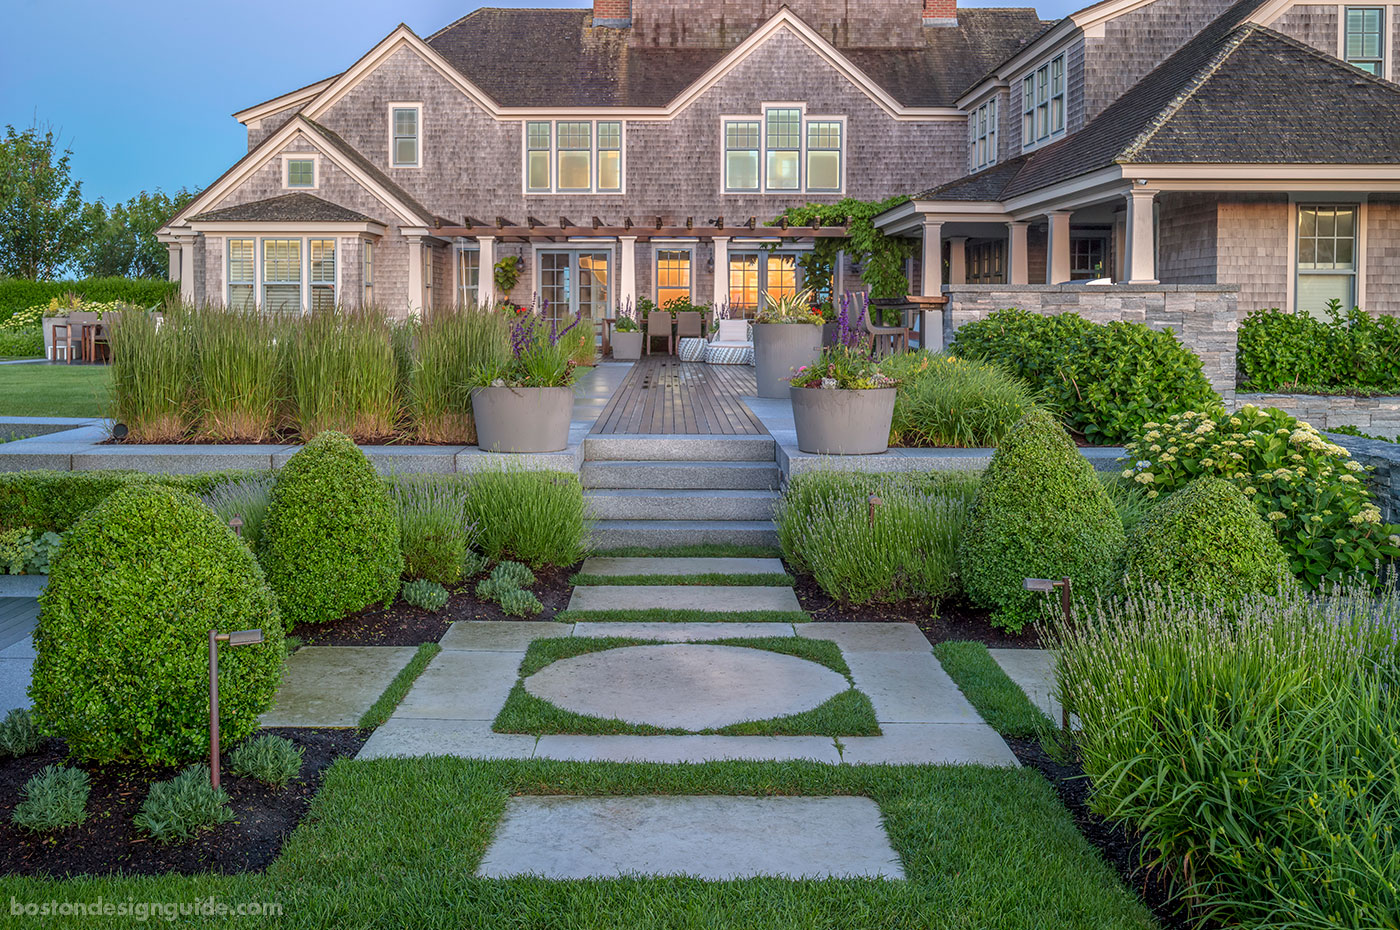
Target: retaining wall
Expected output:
[1379,415]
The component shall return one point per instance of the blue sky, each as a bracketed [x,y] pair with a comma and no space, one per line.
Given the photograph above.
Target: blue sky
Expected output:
[142,91]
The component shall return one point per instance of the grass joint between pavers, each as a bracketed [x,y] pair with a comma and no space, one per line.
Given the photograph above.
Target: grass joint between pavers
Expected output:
[999,700]
[393,695]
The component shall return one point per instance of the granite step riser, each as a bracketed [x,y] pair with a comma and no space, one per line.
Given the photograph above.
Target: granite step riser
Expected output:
[688,476]
[678,449]
[663,533]
[681,509]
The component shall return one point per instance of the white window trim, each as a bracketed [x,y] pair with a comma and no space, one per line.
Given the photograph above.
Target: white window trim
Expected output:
[260,236]
[228,267]
[1032,73]
[1387,34]
[662,245]
[762,119]
[1362,220]
[974,135]
[593,167]
[407,105]
[458,283]
[367,247]
[314,158]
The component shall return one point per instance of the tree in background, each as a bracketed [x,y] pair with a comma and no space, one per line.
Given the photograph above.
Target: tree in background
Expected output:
[42,220]
[123,241]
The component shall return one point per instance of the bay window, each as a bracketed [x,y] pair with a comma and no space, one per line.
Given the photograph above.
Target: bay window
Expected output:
[573,156]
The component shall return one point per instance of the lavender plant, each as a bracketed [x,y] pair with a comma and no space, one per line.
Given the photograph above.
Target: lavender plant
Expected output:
[541,354]
[846,364]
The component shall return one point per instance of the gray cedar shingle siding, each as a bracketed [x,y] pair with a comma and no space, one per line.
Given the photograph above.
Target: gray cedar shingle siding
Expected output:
[1311,25]
[1253,248]
[1187,234]
[1383,254]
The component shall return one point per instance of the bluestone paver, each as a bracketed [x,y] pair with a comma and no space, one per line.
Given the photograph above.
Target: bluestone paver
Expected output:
[462,686]
[332,686]
[869,637]
[646,566]
[683,632]
[929,744]
[500,635]
[678,749]
[711,598]
[1034,671]
[909,688]
[467,739]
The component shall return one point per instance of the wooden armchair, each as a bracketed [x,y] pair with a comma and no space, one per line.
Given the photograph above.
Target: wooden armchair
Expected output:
[659,326]
[689,325]
[892,338]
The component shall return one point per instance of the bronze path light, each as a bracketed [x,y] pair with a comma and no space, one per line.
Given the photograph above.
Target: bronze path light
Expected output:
[1048,586]
[241,638]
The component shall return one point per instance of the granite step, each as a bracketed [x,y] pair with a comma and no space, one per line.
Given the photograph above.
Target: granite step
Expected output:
[618,534]
[645,504]
[663,475]
[708,598]
[679,449]
[623,567]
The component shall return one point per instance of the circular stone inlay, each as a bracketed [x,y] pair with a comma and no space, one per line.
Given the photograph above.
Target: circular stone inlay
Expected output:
[685,686]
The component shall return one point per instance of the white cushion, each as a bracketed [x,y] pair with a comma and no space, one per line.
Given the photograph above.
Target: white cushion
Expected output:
[735,332]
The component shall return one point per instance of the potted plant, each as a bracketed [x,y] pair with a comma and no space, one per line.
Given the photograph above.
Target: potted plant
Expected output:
[524,403]
[787,334]
[627,336]
[843,403]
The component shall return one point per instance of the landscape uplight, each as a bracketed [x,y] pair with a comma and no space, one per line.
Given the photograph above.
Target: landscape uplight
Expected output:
[240,638]
[236,524]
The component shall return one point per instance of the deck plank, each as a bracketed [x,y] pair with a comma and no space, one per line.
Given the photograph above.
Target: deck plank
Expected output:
[662,395]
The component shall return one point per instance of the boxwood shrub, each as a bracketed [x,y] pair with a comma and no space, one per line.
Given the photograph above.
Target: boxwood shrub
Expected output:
[52,501]
[1040,512]
[121,668]
[330,538]
[1208,541]
[1104,380]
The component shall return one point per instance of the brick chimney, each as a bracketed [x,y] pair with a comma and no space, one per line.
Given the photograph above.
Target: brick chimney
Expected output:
[936,12]
[618,13]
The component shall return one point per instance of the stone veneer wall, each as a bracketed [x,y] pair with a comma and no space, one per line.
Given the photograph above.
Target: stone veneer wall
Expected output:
[1379,415]
[1203,316]
[1384,457]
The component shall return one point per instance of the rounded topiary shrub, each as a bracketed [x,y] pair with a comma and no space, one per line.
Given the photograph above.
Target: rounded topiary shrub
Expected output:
[1041,512]
[122,663]
[1206,540]
[330,539]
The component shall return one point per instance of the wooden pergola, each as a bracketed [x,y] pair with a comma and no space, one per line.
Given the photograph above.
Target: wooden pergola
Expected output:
[537,230]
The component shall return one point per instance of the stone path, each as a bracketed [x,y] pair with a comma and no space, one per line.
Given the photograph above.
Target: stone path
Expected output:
[332,686]
[709,598]
[640,566]
[1034,671]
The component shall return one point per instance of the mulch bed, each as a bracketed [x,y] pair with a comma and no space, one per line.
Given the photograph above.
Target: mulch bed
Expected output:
[404,625]
[107,842]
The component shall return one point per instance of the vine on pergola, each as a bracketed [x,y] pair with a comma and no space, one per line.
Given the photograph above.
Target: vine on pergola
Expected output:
[881,257]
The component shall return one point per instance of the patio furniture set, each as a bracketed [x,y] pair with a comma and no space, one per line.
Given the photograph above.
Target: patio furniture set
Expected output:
[80,335]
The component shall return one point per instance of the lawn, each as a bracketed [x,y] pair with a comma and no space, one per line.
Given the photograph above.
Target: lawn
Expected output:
[395,842]
[54,390]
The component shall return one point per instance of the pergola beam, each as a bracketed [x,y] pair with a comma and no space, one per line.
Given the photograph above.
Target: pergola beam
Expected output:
[538,231]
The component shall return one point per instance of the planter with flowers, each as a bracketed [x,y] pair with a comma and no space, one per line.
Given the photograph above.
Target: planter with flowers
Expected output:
[525,403]
[842,404]
[787,334]
[627,336]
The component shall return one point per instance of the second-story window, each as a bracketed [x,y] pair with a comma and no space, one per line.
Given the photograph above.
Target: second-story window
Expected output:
[784,150]
[741,155]
[784,144]
[1365,43]
[561,156]
[823,156]
[404,126]
[301,172]
[982,136]
[1043,102]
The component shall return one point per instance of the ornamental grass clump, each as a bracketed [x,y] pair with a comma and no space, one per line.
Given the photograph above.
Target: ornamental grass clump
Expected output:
[435,532]
[153,373]
[237,371]
[1308,489]
[449,343]
[946,401]
[53,799]
[246,499]
[1040,513]
[901,547]
[343,374]
[537,517]
[1255,749]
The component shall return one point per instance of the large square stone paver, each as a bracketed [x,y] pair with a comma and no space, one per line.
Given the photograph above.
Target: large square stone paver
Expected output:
[332,686]
[500,635]
[710,838]
[462,686]
[678,749]
[711,598]
[1034,671]
[465,739]
[929,744]
[645,566]
[682,632]
[909,688]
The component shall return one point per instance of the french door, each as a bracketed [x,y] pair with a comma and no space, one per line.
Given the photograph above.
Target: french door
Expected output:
[573,280]
[755,275]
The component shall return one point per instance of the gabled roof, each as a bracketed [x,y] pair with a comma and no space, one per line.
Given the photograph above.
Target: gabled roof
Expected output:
[288,208]
[352,154]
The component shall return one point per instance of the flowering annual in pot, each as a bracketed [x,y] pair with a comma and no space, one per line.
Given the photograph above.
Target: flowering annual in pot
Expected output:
[1308,489]
[539,355]
[842,403]
[844,365]
[626,321]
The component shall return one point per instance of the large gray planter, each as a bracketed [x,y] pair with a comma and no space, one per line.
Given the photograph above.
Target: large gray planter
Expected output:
[522,419]
[626,347]
[779,349]
[837,422]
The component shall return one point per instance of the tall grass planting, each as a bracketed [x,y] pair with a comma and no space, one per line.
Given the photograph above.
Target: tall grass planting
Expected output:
[947,401]
[435,531]
[237,367]
[152,373]
[1257,750]
[343,375]
[450,343]
[902,546]
[532,516]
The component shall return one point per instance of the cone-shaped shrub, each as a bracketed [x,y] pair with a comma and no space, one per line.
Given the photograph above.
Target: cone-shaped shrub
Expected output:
[330,539]
[122,648]
[1041,512]
[1206,540]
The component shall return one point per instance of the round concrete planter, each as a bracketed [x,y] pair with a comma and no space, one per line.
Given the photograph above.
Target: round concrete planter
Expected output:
[522,419]
[626,347]
[837,422]
[779,349]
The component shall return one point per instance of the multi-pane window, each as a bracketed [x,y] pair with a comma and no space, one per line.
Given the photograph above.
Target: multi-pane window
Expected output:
[784,147]
[322,274]
[1043,102]
[301,172]
[672,275]
[242,273]
[468,277]
[753,276]
[824,155]
[1326,256]
[560,156]
[405,136]
[1087,256]
[741,155]
[369,274]
[986,262]
[982,136]
[1365,38]
[281,279]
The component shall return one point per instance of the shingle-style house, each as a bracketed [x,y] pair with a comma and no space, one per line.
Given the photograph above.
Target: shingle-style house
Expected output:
[637,149]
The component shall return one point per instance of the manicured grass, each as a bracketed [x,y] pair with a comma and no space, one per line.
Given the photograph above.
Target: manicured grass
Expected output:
[396,842]
[695,551]
[849,713]
[999,700]
[770,580]
[41,390]
[684,616]
[380,710]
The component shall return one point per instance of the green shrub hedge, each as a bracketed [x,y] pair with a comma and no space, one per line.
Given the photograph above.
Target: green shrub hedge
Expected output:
[1104,380]
[1208,541]
[947,401]
[330,538]
[18,294]
[52,501]
[1041,512]
[121,668]
[1352,350]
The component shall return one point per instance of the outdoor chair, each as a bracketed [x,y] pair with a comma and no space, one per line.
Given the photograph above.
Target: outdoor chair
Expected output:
[690,336]
[895,338]
[659,327]
[730,344]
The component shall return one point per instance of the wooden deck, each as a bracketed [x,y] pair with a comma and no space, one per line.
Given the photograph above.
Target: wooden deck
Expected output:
[665,396]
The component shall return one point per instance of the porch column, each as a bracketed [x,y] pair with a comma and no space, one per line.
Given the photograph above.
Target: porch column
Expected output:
[1057,262]
[187,271]
[627,281]
[1142,246]
[415,274]
[957,260]
[1017,261]
[174,271]
[721,273]
[932,285]
[486,261]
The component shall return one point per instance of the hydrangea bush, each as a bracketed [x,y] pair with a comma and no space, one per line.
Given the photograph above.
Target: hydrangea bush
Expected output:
[1309,490]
